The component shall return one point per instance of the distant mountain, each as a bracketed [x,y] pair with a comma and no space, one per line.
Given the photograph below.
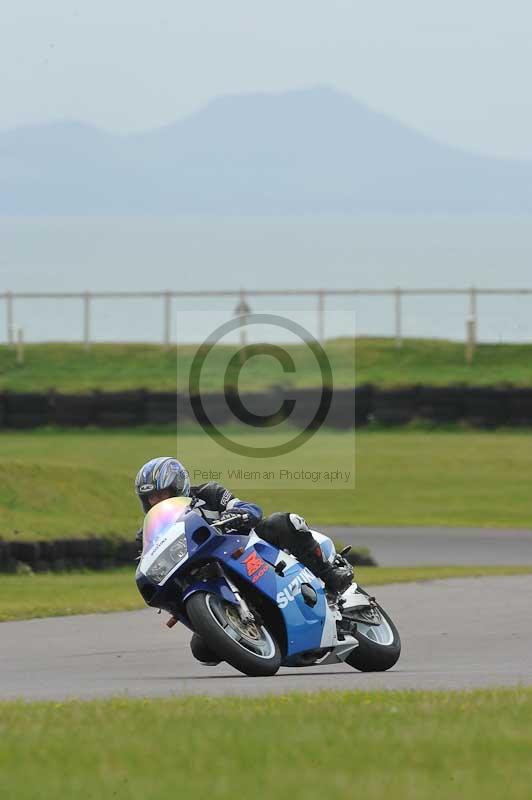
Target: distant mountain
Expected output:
[302,152]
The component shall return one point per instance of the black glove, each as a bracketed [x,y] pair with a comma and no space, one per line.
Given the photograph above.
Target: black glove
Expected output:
[214,495]
[241,522]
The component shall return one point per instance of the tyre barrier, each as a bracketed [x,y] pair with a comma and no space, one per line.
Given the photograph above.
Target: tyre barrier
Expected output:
[395,406]
[118,409]
[60,555]
[485,407]
[160,408]
[519,406]
[363,402]
[442,404]
[26,410]
[70,410]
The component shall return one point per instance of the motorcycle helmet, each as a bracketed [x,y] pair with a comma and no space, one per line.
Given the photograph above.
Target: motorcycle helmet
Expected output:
[158,474]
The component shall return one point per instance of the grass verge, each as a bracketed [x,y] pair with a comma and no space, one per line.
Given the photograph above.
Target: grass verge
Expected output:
[64,594]
[118,367]
[405,745]
[73,484]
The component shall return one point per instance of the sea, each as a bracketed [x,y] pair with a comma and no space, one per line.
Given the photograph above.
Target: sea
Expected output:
[151,254]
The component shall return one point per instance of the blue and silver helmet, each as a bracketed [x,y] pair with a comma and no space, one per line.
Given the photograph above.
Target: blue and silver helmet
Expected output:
[158,474]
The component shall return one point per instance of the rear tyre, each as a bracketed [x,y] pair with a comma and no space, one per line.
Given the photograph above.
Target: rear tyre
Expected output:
[379,646]
[248,647]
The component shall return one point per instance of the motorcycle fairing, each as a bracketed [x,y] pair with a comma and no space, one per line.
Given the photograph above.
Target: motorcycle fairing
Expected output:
[307,627]
[214,586]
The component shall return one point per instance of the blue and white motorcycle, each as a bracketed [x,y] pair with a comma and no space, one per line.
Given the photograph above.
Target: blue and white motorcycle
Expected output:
[253,605]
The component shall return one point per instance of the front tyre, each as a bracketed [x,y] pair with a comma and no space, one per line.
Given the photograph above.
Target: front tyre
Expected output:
[248,647]
[379,646]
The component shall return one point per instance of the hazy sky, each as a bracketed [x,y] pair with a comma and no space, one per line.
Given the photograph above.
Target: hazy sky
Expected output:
[457,70]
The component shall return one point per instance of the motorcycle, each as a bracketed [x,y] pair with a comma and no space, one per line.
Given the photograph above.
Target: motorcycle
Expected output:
[254,606]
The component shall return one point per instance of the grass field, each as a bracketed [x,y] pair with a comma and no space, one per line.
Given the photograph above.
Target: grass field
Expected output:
[401,745]
[58,483]
[64,594]
[113,367]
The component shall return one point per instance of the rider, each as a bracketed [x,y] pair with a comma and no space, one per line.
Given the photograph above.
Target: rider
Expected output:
[165,477]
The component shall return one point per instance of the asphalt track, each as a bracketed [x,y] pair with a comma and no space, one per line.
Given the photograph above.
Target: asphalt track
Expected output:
[412,547]
[457,634]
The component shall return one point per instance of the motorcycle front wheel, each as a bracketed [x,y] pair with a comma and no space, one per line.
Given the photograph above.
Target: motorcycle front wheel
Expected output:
[247,646]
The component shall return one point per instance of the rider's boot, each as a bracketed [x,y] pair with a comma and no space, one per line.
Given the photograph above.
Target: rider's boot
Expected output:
[202,653]
[337,576]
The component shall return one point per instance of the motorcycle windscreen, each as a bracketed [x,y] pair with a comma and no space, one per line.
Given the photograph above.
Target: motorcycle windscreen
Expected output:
[161,517]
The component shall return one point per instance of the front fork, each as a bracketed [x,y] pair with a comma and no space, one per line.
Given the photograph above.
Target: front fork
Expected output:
[245,612]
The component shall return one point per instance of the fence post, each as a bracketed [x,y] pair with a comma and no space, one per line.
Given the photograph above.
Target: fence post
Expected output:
[470,340]
[9,317]
[471,326]
[473,310]
[20,346]
[398,319]
[167,299]
[86,321]
[321,316]
[242,310]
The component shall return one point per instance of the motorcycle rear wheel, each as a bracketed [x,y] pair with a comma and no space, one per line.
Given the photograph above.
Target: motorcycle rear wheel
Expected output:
[249,648]
[379,647]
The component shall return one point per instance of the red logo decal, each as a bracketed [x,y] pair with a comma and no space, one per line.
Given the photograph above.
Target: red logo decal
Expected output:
[258,575]
[253,563]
